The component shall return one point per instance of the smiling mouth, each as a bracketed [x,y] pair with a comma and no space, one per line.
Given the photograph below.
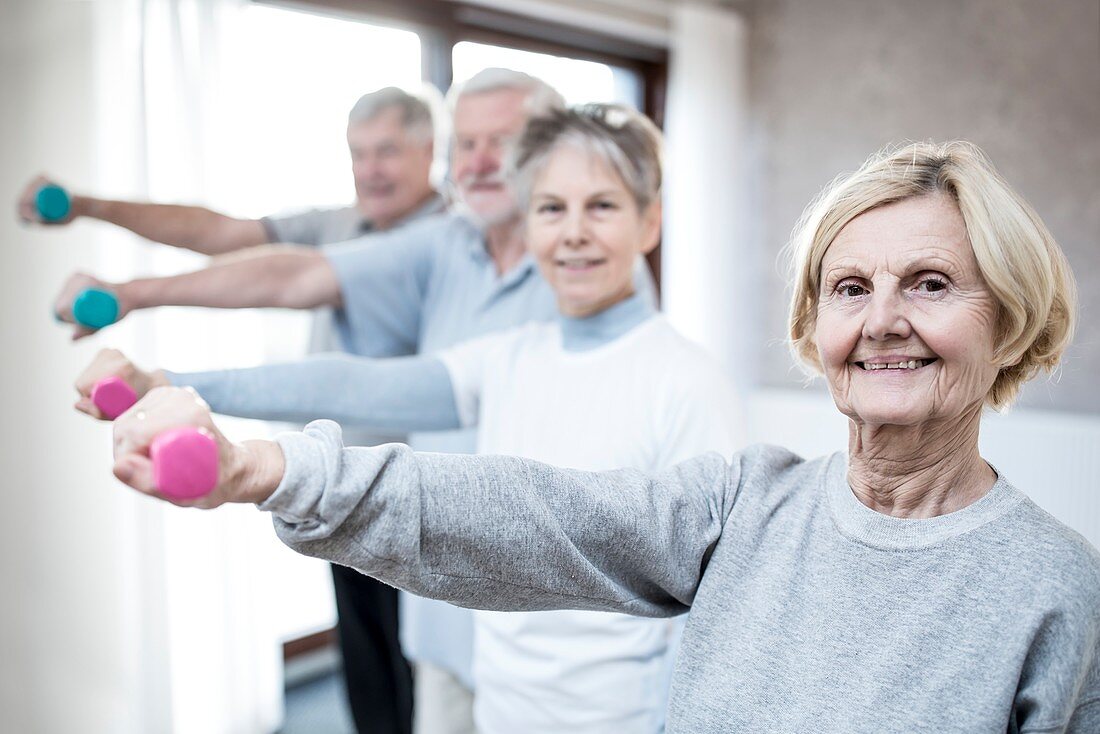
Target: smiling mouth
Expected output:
[912,364]
[580,263]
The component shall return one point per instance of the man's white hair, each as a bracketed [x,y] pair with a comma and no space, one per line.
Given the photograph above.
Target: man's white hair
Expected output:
[541,97]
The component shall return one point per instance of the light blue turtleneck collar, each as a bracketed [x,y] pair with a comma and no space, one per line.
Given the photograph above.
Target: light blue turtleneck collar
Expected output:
[589,332]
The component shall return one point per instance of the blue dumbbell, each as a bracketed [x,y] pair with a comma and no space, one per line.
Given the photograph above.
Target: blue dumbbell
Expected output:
[95,308]
[53,203]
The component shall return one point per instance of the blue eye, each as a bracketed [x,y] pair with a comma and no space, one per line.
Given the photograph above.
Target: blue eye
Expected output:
[548,208]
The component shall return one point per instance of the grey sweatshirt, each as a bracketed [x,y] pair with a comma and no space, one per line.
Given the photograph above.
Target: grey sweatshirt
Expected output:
[809,611]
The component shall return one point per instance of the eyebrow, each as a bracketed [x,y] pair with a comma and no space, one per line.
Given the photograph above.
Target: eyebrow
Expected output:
[854,266]
[848,265]
[606,192]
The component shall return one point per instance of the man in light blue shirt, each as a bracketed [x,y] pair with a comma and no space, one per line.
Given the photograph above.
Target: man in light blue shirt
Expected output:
[429,285]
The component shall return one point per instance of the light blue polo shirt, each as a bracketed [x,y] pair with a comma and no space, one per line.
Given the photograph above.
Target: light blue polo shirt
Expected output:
[428,286]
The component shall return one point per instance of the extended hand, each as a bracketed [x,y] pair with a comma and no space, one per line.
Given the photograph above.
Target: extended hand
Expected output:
[113,363]
[74,286]
[27,205]
[247,472]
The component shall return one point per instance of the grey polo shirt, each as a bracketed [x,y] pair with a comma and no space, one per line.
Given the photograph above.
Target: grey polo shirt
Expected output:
[428,286]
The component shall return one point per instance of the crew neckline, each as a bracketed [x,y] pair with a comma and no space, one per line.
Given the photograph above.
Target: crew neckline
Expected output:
[862,524]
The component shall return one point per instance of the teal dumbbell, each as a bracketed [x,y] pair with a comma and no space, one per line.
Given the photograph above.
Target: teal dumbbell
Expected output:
[53,203]
[95,308]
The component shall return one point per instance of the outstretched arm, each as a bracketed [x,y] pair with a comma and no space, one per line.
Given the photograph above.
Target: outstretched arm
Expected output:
[272,276]
[481,531]
[401,394]
[398,394]
[190,227]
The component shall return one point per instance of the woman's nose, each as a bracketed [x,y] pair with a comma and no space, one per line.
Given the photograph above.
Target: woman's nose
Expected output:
[574,230]
[885,317]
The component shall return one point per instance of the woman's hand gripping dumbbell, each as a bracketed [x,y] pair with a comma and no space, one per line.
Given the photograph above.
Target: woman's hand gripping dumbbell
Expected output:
[168,447]
[180,457]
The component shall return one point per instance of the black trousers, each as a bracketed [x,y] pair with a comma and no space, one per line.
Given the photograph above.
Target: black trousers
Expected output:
[378,678]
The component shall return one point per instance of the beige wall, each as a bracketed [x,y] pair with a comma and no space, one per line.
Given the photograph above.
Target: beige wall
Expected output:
[833,80]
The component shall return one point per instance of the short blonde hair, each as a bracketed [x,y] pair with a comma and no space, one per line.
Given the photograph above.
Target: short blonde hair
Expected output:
[1022,265]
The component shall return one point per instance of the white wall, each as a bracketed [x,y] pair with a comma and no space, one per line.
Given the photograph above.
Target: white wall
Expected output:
[72,627]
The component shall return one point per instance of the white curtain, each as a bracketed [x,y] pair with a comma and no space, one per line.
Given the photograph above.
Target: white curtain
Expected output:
[118,615]
[214,657]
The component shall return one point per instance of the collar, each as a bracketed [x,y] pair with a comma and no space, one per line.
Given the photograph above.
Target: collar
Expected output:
[434,204]
[589,332]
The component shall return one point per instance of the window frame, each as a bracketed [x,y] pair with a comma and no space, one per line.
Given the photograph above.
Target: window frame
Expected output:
[441,24]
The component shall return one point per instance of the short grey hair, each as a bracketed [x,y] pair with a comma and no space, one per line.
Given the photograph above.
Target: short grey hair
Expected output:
[541,97]
[416,112]
[625,139]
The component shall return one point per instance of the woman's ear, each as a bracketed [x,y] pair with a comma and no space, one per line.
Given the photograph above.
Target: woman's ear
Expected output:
[651,226]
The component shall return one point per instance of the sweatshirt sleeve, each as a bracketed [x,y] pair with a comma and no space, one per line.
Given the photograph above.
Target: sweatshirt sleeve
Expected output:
[399,394]
[503,533]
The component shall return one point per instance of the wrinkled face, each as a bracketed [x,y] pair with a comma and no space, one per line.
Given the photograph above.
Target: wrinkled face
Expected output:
[391,169]
[485,125]
[585,231]
[905,322]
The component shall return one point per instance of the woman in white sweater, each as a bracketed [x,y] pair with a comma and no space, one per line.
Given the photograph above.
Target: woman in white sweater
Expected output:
[609,385]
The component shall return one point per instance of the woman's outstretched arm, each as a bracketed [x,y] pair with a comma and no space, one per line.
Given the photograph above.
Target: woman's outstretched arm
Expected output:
[497,532]
[491,532]
[398,393]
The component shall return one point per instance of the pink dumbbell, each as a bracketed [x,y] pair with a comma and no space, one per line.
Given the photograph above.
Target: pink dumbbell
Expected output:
[113,396]
[185,460]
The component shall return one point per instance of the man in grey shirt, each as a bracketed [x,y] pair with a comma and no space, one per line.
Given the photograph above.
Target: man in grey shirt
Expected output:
[391,141]
[391,136]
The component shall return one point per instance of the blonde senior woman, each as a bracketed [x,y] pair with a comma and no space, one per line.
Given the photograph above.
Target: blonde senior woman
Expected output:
[903,586]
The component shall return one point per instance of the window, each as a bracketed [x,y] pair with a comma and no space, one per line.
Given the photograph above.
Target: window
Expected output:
[577,80]
[291,79]
[264,134]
